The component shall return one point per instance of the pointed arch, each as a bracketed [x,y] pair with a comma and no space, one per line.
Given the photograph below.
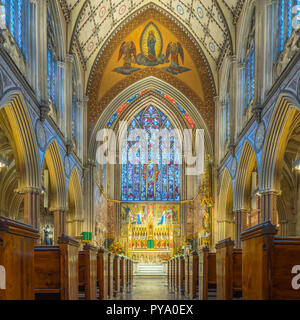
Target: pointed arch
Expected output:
[247,164]
[21,135]
[284,118]
[55,166]
[152,84]
[74,215]
[225,213]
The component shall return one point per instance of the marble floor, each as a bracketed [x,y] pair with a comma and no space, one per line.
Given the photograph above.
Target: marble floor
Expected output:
[150,288]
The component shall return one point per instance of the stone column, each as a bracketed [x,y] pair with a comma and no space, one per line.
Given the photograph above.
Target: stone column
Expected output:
[268,207]
[217,128]
[260,51]
[69,59]
[61,106]
[59,224]
[241,223]
[32,207]
[85,128]
[241,67]
[41,57]
[233,97]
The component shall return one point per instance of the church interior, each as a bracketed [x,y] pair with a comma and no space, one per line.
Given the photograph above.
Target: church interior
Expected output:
[86,214]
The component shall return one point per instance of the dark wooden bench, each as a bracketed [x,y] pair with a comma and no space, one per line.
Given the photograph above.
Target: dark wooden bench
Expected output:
[191,275]
[102,274]
[110,280]
[87,272]
[268,262]
[56,270]
[228,270]
[17,260]
[206,275]
[116,276]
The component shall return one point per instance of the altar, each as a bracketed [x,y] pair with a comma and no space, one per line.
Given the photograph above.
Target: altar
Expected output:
[149,231]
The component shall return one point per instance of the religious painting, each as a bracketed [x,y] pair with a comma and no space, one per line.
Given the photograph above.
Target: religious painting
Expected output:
[128,53]
[151,53]
[135,214]
[174,51]
[151,45]
[167,214]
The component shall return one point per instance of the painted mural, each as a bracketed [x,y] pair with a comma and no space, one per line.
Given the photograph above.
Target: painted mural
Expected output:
[151,53]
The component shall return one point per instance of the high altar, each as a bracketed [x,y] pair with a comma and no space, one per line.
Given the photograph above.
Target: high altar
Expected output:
[150,231]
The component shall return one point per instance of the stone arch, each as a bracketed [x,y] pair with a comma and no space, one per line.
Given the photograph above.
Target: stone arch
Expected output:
[247,163]
[22,137]
[57,179]
[225,213]
[286,109]
[154,84]
[74,215]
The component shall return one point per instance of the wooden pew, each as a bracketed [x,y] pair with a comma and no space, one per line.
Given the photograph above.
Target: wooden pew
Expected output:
[173,275]
[191,271]
[267,263]
[228,270]
[127,266]
[87,272]
[122,275]
[177,274]
[206,275]
[168,273]
[17,259]
[187,276]
[116,276]
[56,270]
[102,274]
[181,276]
[110,282]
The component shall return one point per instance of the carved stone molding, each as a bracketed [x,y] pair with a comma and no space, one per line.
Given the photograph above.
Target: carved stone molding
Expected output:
[290,49]
[44,111]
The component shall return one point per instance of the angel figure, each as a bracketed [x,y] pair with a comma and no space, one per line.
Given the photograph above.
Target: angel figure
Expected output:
[175,50]
[128,51]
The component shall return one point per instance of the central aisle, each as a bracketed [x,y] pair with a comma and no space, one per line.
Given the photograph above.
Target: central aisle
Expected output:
[150,288]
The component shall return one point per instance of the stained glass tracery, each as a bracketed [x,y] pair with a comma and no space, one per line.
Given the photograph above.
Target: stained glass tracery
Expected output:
[285,20]
[147,180]
[14,19]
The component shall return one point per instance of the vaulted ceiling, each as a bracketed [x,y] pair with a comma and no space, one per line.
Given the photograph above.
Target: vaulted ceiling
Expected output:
[93,22]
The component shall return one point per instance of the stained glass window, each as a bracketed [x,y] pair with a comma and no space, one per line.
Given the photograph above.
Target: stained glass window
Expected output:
[51,60]
[157,180]
[287,12]
[14,17]
[250,63]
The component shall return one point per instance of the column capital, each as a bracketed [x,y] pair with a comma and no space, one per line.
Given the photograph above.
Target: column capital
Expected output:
[232,58]
[24,190]
[69,57]
[61,64]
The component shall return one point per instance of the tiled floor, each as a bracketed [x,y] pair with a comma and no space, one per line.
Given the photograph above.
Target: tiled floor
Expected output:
[150,288]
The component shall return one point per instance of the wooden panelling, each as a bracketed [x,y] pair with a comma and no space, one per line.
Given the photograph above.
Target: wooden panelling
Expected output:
[87,271]
[228,270]
[56,270]
[17,258]
[267,263]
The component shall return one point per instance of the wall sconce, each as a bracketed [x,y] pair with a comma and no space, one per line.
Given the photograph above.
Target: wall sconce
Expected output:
[3,162]
[296,165]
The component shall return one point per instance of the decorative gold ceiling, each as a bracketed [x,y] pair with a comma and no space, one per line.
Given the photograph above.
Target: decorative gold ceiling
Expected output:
[93,22]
